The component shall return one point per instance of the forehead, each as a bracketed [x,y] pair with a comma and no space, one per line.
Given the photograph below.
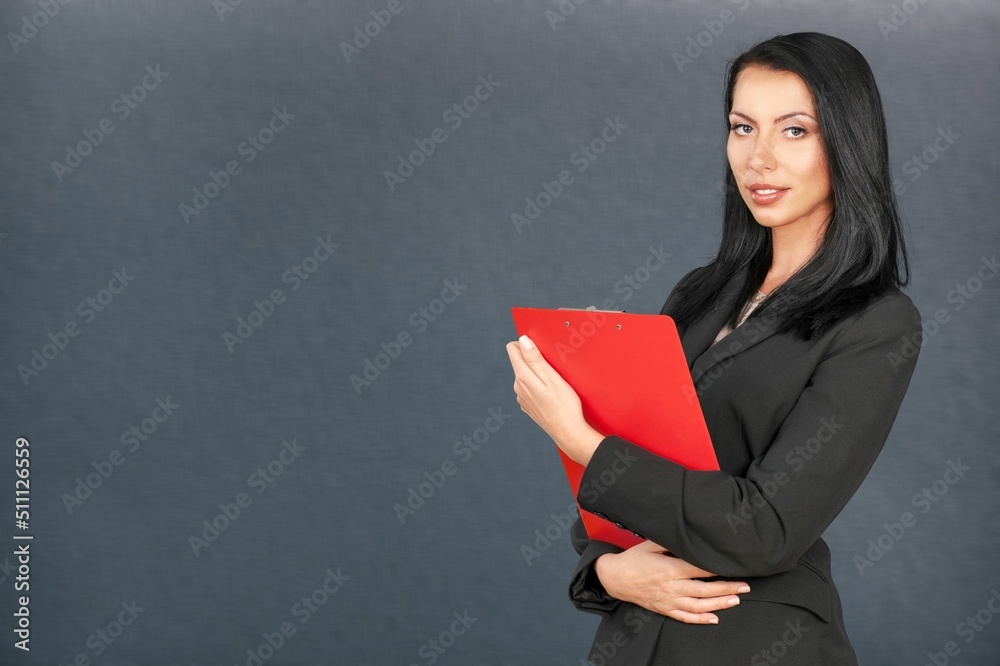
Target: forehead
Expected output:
[771,92]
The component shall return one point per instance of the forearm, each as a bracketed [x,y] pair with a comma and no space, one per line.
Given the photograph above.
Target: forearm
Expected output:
[718,534]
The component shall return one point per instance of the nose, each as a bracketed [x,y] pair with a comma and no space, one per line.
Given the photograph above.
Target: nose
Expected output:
[761,155]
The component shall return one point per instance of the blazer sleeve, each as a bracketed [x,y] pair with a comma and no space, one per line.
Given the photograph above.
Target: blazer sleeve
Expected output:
[585,589]
[761,523]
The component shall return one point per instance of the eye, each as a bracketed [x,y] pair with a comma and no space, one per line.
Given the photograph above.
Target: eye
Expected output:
[796,132]
[741,129]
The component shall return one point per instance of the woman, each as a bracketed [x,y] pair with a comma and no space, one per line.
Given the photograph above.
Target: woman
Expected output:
[800,344]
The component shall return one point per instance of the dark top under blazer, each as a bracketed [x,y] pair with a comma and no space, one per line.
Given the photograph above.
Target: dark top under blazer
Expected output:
[796,426]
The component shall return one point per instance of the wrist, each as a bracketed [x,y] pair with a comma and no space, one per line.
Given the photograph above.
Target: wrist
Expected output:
[582,444]
[601,571]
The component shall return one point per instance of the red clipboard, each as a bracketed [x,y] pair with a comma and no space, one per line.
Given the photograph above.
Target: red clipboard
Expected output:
[633,381]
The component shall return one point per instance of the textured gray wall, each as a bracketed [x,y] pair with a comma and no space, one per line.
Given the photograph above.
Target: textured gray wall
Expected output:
[374,260]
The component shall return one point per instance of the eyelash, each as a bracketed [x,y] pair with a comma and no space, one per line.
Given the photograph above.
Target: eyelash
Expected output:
[802,130]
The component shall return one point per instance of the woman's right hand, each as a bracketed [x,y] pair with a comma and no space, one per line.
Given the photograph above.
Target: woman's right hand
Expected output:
[648,575]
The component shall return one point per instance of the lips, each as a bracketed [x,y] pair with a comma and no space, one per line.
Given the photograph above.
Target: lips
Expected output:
[764,194]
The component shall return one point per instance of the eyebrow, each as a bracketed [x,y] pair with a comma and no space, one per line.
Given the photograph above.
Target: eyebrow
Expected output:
[778,119]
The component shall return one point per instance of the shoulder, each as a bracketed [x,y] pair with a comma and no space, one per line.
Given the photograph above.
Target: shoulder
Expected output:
[891,312]
[888,325]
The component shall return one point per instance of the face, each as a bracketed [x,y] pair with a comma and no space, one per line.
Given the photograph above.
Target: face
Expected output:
[776,153]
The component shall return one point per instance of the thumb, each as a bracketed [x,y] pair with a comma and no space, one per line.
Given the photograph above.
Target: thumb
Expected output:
[529,351]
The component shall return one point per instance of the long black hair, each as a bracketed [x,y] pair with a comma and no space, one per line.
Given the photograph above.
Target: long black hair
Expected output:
[862,253]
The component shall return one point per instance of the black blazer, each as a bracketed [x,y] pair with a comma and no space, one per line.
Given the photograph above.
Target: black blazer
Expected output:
[796,427]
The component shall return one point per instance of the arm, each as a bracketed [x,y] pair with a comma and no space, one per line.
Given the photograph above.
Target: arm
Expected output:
[648,576]
[761,523]
[586,589]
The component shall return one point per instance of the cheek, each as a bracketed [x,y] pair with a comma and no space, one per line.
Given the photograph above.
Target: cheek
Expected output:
[818,180]
[822,177]
[810,167]
[732,154]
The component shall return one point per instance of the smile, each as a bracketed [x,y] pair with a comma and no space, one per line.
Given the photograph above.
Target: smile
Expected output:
[767,196]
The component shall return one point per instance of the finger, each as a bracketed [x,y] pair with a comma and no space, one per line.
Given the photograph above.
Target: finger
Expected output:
[696,605]
[720,588]
[533,358]
[693,618]
[522,369]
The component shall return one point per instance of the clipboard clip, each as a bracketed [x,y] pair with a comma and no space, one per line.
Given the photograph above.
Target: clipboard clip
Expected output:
[592,308]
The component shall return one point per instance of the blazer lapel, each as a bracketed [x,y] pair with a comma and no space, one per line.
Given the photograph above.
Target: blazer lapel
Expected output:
[698,339]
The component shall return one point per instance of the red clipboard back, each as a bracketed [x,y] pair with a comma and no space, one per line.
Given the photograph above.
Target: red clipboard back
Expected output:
[633,381]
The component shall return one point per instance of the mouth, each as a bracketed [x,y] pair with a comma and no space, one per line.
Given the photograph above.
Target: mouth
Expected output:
[764,194]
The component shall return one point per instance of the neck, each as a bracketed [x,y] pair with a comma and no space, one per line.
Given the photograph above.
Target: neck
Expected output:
[791,248]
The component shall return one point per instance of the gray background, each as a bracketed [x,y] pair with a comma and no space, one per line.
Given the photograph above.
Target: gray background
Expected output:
[323,175]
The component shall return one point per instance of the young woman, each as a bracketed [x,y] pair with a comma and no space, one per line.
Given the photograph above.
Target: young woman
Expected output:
[801,347]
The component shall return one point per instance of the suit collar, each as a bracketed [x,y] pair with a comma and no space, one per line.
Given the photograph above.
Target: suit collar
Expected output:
[698,338]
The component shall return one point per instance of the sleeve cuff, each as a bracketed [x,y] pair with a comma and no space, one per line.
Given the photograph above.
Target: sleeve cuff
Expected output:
[629,486]
[585,589]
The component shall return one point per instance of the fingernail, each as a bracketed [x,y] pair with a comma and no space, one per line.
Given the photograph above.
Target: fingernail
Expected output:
[733,601]
[714,620]
[526,342]
[742,589]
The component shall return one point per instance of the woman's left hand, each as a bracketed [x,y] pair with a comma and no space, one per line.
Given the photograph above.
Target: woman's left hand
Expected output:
[552,403]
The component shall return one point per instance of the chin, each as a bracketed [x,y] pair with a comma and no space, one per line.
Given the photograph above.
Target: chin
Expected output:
[772,218]
[769,221]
